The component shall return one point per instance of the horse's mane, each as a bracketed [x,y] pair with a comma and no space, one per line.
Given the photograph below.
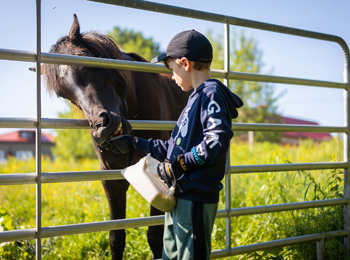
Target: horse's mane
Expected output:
[86,44]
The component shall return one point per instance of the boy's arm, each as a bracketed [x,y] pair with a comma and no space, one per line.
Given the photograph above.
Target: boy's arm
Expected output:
[157,148]
[216,122]
[123,144]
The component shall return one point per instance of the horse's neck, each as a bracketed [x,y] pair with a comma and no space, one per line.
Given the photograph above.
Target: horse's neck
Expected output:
[132,99]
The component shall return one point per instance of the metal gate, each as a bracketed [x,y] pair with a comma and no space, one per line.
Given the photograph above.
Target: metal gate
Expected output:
[40,123]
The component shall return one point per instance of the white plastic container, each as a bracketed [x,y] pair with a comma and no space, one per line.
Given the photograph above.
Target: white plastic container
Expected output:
[144,178]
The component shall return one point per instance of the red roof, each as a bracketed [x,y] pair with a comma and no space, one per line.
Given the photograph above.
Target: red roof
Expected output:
[314,136]
[25,136]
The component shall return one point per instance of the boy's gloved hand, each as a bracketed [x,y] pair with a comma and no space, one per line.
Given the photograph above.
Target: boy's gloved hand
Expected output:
[121,144]
[170,171]
[165,172]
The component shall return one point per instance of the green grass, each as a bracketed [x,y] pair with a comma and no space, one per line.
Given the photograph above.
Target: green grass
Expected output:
[69,203]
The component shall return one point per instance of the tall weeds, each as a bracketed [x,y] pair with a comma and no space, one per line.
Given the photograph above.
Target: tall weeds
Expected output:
[68,203]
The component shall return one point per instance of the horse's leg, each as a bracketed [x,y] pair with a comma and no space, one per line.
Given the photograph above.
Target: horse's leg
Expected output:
[155,236]
[116,196]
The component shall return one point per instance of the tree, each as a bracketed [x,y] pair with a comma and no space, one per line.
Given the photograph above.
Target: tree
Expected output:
[259,100]
[131,41]
[73,144]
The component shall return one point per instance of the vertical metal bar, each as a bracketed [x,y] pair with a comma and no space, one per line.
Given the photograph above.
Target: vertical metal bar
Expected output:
[228,173]
[320,249]
[38,131]
[346,154]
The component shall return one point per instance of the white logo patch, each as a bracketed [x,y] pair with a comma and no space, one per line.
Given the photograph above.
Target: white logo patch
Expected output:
[211,137]
[213,107]
[184,127]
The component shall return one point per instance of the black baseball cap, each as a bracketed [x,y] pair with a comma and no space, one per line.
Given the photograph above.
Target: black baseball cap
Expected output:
[190,44]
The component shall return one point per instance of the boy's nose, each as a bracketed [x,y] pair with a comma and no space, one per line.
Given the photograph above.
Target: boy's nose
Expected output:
[172,77]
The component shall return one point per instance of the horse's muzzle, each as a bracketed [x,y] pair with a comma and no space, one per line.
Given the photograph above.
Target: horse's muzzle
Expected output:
[115,126]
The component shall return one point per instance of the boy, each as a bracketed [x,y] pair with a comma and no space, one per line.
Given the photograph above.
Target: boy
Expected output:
[196,152]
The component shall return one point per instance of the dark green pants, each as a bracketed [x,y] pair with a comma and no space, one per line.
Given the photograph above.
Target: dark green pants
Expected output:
[187,231]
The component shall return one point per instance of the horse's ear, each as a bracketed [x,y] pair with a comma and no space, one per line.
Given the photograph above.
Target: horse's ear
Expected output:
[74,33]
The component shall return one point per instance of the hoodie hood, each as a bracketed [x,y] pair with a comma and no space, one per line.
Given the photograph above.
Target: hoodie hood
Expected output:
[232,99]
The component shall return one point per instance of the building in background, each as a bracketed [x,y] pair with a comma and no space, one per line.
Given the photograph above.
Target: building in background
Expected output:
[295,137]
[292,138]
[21,144]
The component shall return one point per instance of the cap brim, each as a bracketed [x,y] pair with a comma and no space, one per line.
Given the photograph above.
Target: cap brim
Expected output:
[159,58]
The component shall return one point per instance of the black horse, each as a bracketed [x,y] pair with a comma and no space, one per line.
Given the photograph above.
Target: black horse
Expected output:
[108,98]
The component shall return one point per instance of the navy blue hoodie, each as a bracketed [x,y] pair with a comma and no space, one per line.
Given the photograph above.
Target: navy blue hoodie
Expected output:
[202,133]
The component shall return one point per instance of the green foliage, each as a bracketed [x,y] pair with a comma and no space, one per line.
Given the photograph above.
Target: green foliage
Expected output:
[73,144]
[6,222]
[260,103]
[13,250]
[69,203]
[131,41]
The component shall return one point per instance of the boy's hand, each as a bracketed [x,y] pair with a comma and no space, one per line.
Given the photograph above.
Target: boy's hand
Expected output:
[121,144]
[170,171]
[166,173]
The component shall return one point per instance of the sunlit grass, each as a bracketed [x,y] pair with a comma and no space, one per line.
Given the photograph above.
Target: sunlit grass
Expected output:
[83,202]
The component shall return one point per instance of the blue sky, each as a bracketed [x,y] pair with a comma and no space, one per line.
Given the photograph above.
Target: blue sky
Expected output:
[282,55]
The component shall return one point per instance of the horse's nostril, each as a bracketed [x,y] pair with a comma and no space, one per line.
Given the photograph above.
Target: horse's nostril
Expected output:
[98,126]
[105,119]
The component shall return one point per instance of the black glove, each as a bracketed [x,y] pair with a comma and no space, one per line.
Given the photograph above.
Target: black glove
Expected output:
[170,171]
[120,144]
[165,172]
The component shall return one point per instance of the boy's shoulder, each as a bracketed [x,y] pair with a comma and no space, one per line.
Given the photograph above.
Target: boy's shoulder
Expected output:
[215,90]
[213,86]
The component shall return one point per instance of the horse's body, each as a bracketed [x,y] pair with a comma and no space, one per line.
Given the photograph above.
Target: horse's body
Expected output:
[109,97]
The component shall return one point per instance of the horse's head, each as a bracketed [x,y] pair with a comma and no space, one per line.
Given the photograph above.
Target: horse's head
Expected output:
[100,93]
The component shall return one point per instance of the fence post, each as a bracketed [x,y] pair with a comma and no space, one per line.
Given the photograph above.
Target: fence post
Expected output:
[38,132]
[228,172]
[320,249]
[346,154]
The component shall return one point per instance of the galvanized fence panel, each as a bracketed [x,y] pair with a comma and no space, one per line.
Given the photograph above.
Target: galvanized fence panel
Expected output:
[40,123]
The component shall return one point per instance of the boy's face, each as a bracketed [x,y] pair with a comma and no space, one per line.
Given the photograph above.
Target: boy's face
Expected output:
[179,67]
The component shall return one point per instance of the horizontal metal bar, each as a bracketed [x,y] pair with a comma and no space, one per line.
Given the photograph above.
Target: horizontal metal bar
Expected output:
[25,234]
[17,179]
[208,16]
[277,244]
[60,123]
[57,177]
[237,169]
[103,63]
[9,122]
[17,55]
[29,234]
[101,226]
[236,212]
[277,79]
[157,68]
[152,125]
[288,128]
[286,80]
[64,230]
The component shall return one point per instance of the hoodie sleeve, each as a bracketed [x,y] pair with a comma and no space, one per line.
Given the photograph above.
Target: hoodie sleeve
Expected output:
[157,148]
[216,119]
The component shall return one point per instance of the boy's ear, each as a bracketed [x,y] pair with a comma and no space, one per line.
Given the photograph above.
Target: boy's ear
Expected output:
[185,63]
